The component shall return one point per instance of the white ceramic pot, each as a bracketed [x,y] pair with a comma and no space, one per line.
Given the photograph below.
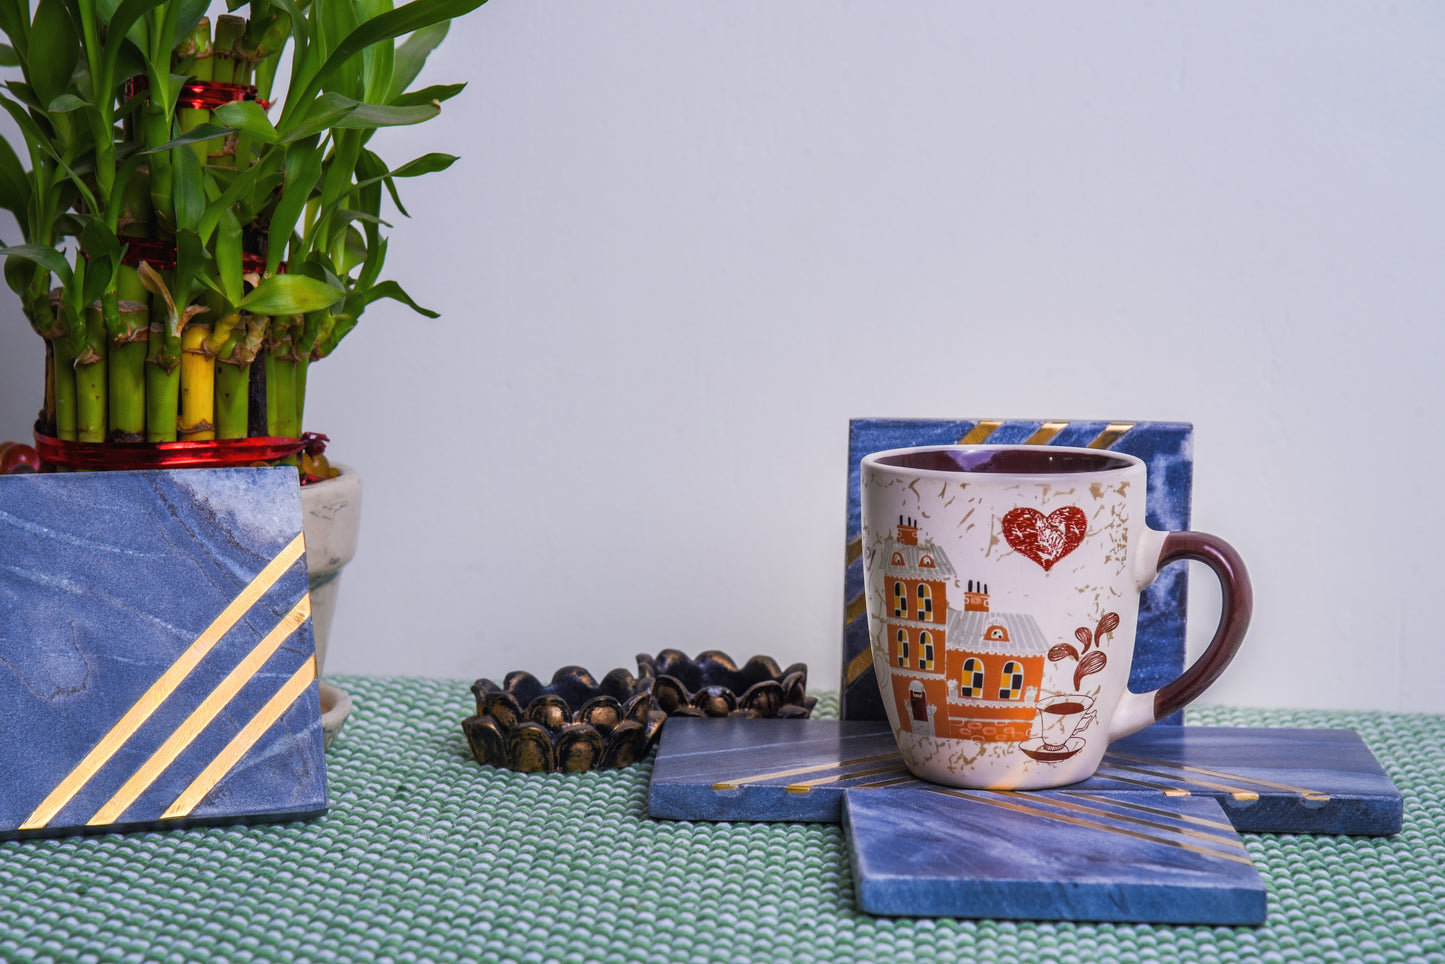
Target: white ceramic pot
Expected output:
[331,519]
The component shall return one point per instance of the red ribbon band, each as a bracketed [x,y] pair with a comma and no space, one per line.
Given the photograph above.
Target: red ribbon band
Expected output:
[200,94]
[213,454]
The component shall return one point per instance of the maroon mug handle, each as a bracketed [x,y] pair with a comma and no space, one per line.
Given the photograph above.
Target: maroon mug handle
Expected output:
[1137,711]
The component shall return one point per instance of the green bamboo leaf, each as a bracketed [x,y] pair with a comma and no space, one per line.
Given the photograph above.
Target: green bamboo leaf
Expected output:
[378,62]
[8,56]
[65,103]
[392,290]
[330,109]
[369,116]
[411,57]
[14,183]
[303,169]
[426,164]
[289,294]
[202,132]
[395,23]
[228,256]
[188,191]
[247,117]
[46,257]
[438,93]
[54,50]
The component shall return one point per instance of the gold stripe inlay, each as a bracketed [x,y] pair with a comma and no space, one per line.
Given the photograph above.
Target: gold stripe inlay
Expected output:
[1111,434]
[1314,796]
[1243,796]
[798,771]
[1171,826]
[879,784]
[243,741]
[981,431]
[1105,770]
[854,552]
[997,800]
[807,785]
[204,714]
[1046,433]
[1117,802]
[855,609]
[162,688]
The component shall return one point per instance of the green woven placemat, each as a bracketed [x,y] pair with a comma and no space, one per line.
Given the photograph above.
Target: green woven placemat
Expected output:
[426,856]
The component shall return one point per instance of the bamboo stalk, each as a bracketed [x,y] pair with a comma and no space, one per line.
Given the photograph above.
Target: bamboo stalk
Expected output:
[90,379]
[226,69]
[198,52]
[198,384]
[127,361]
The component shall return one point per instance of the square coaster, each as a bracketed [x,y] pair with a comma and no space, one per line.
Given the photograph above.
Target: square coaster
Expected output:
[1267,780]
[156,661]
[1046,855]
[1167,448]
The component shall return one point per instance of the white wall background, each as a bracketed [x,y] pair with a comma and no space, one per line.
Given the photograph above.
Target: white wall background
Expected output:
[687,242]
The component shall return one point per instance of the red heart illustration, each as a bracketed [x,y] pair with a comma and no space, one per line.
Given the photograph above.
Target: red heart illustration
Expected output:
[1045,539]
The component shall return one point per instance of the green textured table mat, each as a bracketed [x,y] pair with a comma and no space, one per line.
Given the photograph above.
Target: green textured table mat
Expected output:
[426,856]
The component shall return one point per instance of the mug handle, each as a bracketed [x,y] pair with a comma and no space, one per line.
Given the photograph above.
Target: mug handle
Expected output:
[1138,710]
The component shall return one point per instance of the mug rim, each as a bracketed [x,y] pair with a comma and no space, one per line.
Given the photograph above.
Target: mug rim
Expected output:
[1132,462]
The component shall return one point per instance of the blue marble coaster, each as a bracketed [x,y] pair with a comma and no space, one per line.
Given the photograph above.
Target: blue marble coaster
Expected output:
[1267,780]
[1049,856]
[156,661]
[1166,447]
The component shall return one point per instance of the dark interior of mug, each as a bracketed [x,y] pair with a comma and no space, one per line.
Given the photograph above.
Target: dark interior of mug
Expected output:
[1025,460]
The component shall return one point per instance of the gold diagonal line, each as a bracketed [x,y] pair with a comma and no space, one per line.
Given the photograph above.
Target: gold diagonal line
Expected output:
[1107,771]
[1046,433]
[1243,796]
[879,784]
[1111,434]
[997,800]
[816,768]
[981,431]
[855,609]
[854,552]
[243,741]
[196,723]
[1172,826]
[1117,802]
[858,665]
[163,687]
[1312,795]
[807,785]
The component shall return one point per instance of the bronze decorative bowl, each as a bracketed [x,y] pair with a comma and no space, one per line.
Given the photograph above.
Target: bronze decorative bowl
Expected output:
[713,685]
[572,724]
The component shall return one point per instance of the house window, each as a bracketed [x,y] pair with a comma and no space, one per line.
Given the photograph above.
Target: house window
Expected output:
[1011,686]
[972,682]
[925,603]
[902,647]
[897,560]
[925,643]
[926,562]
[996,634]
[900,600]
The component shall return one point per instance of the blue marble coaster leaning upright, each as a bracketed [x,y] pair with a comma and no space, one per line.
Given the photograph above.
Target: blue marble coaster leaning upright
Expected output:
[157,667]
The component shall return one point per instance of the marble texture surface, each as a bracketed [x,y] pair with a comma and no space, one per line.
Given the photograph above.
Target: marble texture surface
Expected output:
[1166,448]
[156,659]
[1266,780]
[1049,856]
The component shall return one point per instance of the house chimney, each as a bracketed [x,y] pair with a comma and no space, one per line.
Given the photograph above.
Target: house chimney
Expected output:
[907,532]
[975,600]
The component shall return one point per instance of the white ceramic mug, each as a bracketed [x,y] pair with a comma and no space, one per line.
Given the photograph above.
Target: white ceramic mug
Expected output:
[1003,595]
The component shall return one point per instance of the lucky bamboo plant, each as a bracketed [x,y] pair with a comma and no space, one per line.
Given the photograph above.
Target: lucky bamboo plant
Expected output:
[195,232]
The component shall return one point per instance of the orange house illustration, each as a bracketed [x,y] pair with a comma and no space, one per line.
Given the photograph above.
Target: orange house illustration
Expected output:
[965,673]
